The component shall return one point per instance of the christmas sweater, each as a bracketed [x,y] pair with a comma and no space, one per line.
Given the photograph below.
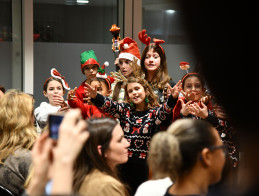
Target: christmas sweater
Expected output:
[80,92]
[88,111]
[138,126]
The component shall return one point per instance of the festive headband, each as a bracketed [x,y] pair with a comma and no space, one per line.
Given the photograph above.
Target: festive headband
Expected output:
[146,40]
[185,66]
[119,77]
[101,74]
[55,74]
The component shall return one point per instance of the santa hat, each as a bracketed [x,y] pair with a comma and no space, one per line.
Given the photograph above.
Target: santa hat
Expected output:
[130,50]
[101,71]
[55,74]
[88,57]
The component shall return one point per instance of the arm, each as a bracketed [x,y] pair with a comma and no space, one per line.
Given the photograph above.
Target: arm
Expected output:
[106,104]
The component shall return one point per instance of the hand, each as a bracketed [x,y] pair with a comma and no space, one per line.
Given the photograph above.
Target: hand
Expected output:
[176,89]
[59,100]
[185,107]
[206,98]
[63,109]
[90,91]
[41,153]
[72,136]
[189,96]
[196,110]
[71,94]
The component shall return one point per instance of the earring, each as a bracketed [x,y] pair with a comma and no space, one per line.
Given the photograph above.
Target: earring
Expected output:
[131,104]
[146,100]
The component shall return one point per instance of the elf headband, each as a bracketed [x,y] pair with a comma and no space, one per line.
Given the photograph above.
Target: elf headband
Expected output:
[146,40]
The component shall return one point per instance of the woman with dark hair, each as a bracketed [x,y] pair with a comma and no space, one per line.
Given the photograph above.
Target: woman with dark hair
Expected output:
[95,167]
[191,153]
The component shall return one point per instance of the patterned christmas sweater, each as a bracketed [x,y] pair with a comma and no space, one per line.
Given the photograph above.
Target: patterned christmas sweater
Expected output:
[138,126]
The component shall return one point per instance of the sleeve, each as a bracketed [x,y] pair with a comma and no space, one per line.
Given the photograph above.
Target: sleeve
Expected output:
[164,111]
[111,107]
[41,113]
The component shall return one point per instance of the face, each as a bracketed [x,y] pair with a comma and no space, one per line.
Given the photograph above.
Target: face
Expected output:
[194,85]
[90,71]
[101,88]
[118,148]
[136,94]
[125,67]
[54,90]
[219,159]
[152,61]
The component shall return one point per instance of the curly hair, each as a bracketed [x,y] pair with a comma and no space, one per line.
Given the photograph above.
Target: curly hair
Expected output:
[151,95]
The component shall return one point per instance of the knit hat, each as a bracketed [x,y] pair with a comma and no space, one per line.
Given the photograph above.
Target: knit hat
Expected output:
[129,50]
[88,57]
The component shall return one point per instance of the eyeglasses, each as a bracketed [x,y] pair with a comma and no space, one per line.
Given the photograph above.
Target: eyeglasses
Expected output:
[223,147]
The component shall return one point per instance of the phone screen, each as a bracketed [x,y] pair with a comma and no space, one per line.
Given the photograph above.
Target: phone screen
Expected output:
[54,122]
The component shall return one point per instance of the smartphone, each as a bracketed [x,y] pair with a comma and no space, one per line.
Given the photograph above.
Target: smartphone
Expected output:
[54,123]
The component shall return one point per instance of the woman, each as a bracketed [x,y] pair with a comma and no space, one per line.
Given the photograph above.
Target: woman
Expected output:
[192,155]
[17,136]
[95,167]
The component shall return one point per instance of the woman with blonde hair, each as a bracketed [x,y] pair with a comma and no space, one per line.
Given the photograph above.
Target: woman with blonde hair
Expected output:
[191,153]
[17,136]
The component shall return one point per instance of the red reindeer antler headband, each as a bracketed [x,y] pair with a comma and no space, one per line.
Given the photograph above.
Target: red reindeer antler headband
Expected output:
[146,40]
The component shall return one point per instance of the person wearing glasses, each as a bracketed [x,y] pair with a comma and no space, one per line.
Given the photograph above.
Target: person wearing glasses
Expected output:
[191,153]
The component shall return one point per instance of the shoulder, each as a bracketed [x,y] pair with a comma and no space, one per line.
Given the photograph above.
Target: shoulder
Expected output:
[100,183]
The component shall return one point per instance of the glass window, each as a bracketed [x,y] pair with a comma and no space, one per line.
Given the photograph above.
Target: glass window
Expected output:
[74,21]
[10,44]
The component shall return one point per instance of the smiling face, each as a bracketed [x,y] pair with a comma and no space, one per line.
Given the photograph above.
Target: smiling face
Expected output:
[125,67]
[137,95]
[117,152]
[54,90]
[193,85]
[152,61]
[90,71]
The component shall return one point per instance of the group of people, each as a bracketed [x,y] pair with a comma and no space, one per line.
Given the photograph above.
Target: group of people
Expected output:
[140,125]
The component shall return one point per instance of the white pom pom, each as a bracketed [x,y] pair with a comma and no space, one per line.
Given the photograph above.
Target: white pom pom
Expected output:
[106,63]
[125,46]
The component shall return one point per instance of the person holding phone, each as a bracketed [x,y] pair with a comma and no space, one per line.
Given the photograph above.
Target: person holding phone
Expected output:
[59,154]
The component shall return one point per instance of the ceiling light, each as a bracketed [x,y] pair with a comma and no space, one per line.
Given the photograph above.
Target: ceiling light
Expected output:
[170,11]
[82,1]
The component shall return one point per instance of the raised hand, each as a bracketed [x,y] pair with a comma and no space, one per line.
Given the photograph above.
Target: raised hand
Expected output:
[71,94]
[189,96]
[176,89]
[196,110]
[90,91]
[185,107]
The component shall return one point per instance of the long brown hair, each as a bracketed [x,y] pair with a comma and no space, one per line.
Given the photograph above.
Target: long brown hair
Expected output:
[161,78]
[152,99]
[89,158]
